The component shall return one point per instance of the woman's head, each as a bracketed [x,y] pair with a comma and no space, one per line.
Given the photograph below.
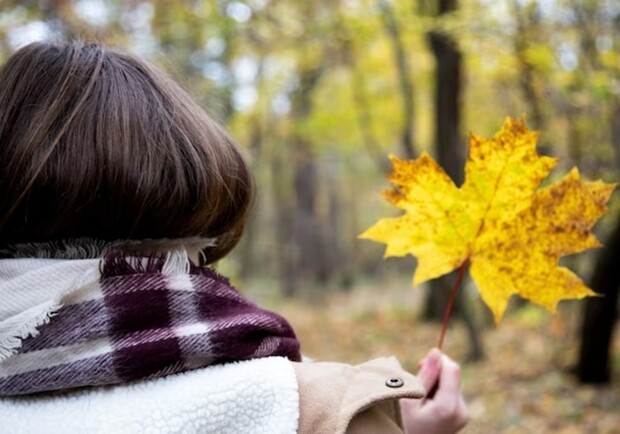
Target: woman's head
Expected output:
[96,143]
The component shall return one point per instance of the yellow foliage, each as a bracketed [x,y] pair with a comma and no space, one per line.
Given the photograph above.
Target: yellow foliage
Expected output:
[512,233]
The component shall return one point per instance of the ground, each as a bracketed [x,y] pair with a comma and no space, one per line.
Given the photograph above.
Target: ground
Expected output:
[524,384]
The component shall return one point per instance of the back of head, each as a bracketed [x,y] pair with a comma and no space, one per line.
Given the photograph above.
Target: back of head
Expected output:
[96,143]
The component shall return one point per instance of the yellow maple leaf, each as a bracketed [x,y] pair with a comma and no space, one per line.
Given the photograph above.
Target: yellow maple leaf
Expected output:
[512,233]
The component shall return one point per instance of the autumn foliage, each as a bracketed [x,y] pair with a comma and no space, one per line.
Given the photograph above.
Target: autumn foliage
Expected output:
[511,232]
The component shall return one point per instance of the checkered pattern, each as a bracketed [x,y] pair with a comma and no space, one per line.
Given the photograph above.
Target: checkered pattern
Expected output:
[139,320]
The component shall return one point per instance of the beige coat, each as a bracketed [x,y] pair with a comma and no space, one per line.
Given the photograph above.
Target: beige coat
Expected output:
[336,398]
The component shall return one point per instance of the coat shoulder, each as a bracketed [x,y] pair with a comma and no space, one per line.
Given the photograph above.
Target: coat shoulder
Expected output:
[353,399]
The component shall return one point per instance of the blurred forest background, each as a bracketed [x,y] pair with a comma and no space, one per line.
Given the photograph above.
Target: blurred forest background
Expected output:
[318,92]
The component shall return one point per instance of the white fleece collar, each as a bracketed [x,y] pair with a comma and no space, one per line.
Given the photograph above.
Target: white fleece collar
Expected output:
[258,396]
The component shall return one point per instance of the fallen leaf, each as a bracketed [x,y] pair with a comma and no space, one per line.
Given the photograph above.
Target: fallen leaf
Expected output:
[511,232]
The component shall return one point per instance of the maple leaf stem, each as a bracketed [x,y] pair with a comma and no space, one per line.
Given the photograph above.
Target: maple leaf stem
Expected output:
[448,313]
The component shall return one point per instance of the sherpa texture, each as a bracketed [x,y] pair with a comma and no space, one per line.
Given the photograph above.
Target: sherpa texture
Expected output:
[74,323]
[258,396]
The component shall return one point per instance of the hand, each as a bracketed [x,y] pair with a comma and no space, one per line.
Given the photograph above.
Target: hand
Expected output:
[443,409]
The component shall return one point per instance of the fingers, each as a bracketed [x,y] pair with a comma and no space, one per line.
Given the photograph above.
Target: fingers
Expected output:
[445,411]
[430,368]
[448,401]
[449,389]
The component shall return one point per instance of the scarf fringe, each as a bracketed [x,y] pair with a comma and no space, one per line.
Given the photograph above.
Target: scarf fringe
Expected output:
[91,248]
[170,263]
[74,248]
[11,340]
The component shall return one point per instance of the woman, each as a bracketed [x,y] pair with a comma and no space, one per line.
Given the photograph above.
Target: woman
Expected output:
[116,193]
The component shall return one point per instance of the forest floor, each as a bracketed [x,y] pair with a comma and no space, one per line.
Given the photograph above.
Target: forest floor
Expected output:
[522,386]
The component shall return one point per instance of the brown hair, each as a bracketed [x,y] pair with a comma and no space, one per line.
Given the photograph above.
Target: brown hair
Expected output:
[96,143]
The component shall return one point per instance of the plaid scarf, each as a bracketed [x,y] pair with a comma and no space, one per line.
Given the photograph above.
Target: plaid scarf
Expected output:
[88,322]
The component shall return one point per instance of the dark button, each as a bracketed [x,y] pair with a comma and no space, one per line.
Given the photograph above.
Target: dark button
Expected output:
[394,382]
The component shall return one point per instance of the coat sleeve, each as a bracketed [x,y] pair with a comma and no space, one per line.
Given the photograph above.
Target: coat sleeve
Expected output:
[345,399]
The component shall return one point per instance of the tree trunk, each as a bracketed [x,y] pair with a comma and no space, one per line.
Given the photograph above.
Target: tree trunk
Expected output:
[307,228]
[248,263]
[361,105]
[447,143]
[600,314]
[404,78]
[307,257]
[448,105]
[614,122]
[247,251]
[285,251]
[527,21]
[450,155]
